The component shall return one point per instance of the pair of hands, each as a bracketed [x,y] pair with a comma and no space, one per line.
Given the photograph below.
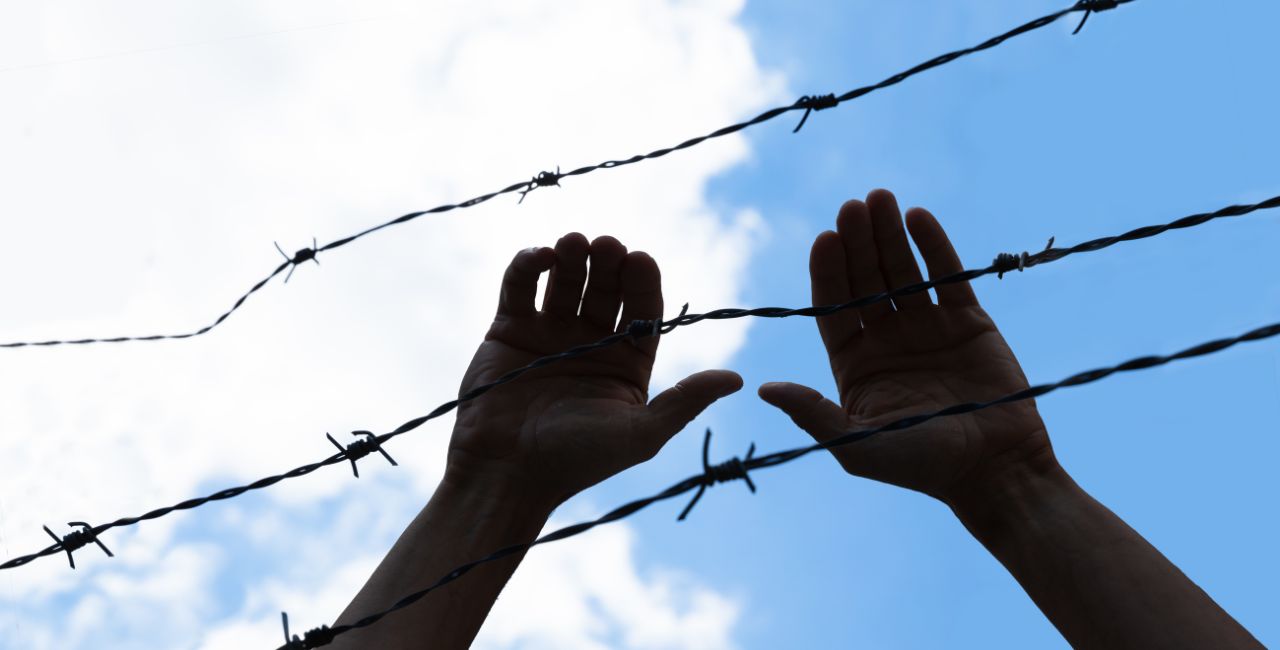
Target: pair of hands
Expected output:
[568,426]
[521,449]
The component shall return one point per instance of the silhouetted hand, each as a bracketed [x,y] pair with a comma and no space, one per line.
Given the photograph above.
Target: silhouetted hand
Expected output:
[910,358]
[570,425]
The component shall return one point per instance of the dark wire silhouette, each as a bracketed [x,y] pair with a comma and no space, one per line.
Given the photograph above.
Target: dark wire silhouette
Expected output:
[1005,262]
[807,103]
[713,474]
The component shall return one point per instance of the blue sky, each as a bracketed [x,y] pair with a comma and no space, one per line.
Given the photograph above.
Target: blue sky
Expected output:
[153,184]
[1153,111]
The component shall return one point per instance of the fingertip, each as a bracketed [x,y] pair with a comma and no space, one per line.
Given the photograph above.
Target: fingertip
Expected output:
[717,382]
[520,281]
[850,212]
[640,257]
[639,269]
[920,220]
[854,226]
[534,258]
[881,195]
[773,390]
[574,244]
[819,416]
[606,244]
[939,256]
[826,246]
[826,238]
[730,381]
[922,227]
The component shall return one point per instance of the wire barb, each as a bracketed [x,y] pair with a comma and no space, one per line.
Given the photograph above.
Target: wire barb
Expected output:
[78,539]
[811,103]
[361,448]
[1091,6]
[299,257]
[543,179]
[782,457]
[1009,262]
[729,470]
[808,103]
[1045,257]
[314,638]
[639,329]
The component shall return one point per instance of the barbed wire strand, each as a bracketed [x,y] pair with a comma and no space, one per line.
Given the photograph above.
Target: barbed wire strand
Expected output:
[1004,263]
[711,475]
[807,103]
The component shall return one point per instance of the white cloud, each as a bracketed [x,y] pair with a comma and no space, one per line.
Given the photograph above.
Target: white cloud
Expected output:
[583,593]
[123,606]
[148,176]
[587,593]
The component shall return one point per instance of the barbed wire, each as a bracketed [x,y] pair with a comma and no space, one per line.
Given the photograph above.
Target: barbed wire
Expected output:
[738,468]
[807,103]
[369,443]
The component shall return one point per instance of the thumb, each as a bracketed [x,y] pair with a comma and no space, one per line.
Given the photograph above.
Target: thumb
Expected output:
[819,416]
[675,407]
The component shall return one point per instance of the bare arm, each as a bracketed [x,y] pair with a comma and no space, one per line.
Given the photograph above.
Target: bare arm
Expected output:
[459,524]
[1094,577]
[524,448]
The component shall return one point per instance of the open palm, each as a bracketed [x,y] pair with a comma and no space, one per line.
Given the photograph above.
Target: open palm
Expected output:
[565,427]
[908,358]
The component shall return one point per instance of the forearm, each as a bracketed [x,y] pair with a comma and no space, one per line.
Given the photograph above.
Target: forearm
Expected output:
[1096,579]
[463,521]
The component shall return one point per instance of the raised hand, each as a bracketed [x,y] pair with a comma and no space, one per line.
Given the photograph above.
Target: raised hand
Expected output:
[911,357]
[563,428]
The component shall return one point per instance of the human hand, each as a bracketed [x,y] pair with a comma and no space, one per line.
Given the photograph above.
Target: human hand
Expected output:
[914,357]
[565,427]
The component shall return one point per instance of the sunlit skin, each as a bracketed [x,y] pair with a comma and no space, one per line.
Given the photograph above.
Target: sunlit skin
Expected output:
[1096,579]
[572,424]
[909,357]
[523,449]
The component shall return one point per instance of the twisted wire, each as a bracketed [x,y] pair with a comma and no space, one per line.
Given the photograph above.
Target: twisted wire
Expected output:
[641,328]
[161,337]
[700,481]
[352,452]
[807,103]
[1003,263]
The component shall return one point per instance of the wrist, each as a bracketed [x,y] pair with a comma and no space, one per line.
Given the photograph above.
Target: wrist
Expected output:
[493,492]
[1010,489]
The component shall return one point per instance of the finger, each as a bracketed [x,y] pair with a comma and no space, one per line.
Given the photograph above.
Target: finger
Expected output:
[641,295]
[603,295]
[817,415]
[830,286]
[564,287]
[669,412]
[897,263]
[939,257]
[520,282]
[861,260]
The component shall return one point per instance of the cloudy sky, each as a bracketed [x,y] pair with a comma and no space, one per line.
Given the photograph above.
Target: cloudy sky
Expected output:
[154,151]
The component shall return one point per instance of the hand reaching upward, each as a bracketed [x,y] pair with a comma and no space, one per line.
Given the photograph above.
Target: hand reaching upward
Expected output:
[518,451]
[563,428]
[521,449]
[911,357]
